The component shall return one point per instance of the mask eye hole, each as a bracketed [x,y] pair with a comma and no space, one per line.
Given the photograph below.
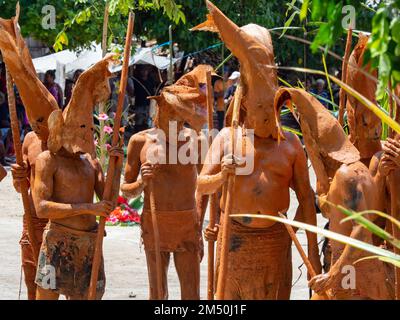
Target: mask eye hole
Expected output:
[83,126]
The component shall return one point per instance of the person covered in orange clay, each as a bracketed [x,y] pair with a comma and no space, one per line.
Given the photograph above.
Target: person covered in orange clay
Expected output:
[66,177]
[342,180]
[355,188]
[259,258]
[38,105]
[365,127]
[174,176]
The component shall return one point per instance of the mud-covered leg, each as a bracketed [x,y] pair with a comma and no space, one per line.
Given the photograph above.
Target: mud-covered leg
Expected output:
[152,273]
[188,268]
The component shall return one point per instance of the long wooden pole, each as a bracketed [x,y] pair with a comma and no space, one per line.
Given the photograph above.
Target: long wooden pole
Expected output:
[20,161]
[213,197]
[156,235]
[345,65]
[107,194]
[303,255]
[223,266]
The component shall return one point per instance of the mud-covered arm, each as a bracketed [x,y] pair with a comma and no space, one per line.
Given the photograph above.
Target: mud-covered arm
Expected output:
[380,180]
[100,178]
[201,199]
[211,177]
[43,194]
[133,186]
[306,211]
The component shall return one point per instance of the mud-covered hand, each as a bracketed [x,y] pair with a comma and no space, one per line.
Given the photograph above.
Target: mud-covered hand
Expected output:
[19,173]
[103,208]
[117,152]
[386,165]
[211,234]
[391,147]
[323,282]
[148,171]
[229,164]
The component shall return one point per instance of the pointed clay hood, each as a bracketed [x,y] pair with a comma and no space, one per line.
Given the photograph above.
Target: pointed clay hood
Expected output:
[365,127]
[38,102]
[252,45]
[186,98]
[73,129]
[327,144]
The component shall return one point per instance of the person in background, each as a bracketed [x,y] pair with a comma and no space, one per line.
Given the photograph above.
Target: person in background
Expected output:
[219,94]
[53,87]
[234,78]
[69,86]
[321,94]
[144,87]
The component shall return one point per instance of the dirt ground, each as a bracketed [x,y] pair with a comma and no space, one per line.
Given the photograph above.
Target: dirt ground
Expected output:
[125,262]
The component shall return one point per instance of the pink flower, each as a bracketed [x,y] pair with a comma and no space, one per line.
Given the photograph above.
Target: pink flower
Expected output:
[96,142]
[103,117]
[108,146]
[108,129]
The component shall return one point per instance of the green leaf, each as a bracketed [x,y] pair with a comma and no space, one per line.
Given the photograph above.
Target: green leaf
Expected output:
[288,23]
[395,30]
[304,9]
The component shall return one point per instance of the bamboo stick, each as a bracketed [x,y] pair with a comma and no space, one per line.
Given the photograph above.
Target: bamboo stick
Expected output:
[345,65]
[223,267]
[107,194]
[20,161]
[213,197]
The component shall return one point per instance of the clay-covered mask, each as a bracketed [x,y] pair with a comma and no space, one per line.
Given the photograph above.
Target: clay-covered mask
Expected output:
[186,99]
[73,129]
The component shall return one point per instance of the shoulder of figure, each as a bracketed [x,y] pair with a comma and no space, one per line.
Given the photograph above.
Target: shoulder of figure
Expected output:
[292,138]
[46,156]
[30,138]
[139,138]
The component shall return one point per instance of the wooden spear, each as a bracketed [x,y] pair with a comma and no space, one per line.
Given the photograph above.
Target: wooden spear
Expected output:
[107,194]
[303,255]
[20,161]
[223,266]
[345,65]
[213,197]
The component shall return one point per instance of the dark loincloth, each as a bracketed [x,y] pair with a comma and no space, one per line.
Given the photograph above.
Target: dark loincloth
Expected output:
[69,253]
[178,231]
[259,263]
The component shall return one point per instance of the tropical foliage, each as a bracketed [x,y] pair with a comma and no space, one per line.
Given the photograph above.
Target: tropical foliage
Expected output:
[384,43]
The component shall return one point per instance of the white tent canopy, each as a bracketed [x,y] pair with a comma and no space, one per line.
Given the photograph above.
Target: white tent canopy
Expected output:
[71,61]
